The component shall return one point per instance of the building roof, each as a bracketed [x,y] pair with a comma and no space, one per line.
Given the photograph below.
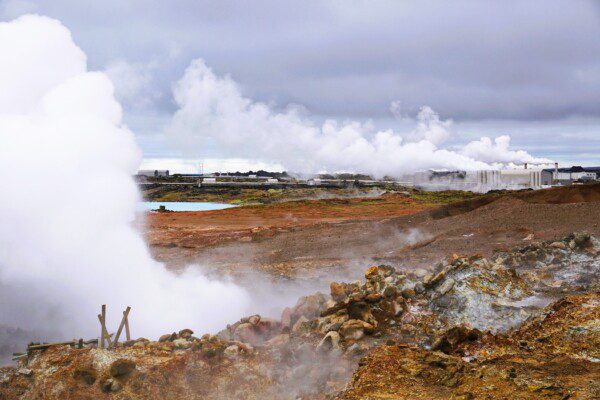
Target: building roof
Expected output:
[576,168]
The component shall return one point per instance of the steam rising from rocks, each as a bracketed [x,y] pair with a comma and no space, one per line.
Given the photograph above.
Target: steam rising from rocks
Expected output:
[67,241]
[213,112]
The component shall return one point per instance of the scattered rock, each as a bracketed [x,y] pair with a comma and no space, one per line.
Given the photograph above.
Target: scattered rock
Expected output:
[121,367]
[355,329]
[528,237]
[168,337]
[408,293]
[338,291]
[331,341]
[558,245]
[232,351]
[186,333]
[182,343]
[446,286]
[300,324]
[25,372]
[111,385]
[254,319]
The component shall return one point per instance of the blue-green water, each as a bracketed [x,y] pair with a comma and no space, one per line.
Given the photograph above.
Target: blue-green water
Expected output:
[183,206]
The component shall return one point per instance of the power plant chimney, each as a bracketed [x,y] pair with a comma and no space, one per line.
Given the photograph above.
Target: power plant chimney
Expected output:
[556,171]
[525,165]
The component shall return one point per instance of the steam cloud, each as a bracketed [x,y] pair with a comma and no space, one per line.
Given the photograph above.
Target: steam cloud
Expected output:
[67,241]
[212,110]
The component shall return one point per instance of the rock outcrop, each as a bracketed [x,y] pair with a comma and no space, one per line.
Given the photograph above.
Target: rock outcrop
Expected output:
[523,324]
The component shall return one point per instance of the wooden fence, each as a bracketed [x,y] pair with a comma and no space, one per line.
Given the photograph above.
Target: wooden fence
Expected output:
[105,340]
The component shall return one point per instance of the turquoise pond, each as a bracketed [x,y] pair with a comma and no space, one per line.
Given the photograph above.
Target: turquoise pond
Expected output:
[183,206]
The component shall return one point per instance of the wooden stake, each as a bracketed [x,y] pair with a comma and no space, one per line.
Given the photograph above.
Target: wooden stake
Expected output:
[121,325]
[127,334]
[104,331]
[102,328]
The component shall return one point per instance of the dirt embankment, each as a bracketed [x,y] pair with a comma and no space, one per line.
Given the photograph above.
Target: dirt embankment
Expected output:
[556,195]
[315,238]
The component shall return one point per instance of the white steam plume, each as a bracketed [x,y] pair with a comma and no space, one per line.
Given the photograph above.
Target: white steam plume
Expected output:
[67,243]
[212,111]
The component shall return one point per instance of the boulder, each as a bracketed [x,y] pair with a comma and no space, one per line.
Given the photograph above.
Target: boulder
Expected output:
[247,332]
[355,329]
[420,272]
[111,385]
[390,292]
[332,322]
[267,327]
[427,280]
[309,306]
[232,351]
[168,337]
[182,343]
[121,367]
[338,291]
[186,333]
[419,288]
[300,324]
[408,292]
[331,341]
[25,372]
[360,310]
[446,286]
[371,272]
[254,319]
[356,348]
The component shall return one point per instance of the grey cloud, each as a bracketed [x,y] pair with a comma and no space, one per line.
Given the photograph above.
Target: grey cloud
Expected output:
[468,59]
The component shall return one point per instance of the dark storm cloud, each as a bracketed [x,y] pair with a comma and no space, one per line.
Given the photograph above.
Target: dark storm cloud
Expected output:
[468,60]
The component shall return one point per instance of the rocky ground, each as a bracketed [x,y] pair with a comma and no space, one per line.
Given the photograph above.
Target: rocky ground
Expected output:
[522,323]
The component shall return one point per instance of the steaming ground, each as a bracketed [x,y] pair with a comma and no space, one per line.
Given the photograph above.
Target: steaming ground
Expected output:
[67,244]
[67,237]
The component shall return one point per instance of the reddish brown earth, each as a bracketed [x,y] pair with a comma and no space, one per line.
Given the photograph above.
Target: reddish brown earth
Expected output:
[316,238]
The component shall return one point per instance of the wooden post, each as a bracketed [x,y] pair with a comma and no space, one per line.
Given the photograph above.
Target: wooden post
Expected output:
[121,325]
[80,344]
[127,333]
[102,328]
[104,331]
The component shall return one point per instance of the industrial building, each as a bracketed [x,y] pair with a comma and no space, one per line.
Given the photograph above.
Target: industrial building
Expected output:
[514,179]
[575,174]
[153,172]
[478,181]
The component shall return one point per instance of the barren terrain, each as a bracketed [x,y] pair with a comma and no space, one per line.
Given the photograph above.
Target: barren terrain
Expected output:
[488,298]
[313,238]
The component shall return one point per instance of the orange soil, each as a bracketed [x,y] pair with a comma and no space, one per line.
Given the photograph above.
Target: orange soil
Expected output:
[206,228]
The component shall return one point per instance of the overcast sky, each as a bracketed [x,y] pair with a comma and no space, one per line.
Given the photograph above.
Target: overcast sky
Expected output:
[530,69]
